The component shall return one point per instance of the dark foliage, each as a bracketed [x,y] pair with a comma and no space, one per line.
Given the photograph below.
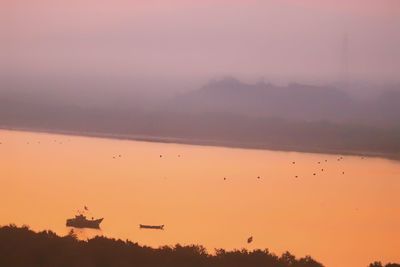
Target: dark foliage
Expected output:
[379,264]
[20,246]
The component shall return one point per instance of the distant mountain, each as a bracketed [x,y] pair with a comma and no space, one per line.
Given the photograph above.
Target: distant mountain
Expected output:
[387,106]
[295,101]
[225,112]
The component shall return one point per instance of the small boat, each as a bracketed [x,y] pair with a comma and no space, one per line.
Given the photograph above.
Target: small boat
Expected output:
[155,227]
[80,221]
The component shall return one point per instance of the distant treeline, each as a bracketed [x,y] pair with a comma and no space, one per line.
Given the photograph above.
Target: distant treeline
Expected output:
[21,247]
[226,113]
[220,129]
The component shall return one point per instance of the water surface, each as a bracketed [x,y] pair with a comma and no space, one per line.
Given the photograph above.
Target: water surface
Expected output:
[346,215]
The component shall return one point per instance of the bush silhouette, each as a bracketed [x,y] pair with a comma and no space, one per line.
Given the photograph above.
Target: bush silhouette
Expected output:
[21,247]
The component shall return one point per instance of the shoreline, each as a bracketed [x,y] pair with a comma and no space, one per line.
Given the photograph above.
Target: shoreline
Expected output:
[203,142]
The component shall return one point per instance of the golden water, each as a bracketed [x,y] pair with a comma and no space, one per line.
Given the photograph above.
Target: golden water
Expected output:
[342,220]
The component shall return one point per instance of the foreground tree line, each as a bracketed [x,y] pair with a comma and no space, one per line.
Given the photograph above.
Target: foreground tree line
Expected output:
[20,246]
[379,264]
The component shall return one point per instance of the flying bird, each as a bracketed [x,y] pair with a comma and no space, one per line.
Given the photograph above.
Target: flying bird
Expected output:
[250,239]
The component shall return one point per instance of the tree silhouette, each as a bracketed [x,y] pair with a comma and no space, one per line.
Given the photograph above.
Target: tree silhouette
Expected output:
[21,247]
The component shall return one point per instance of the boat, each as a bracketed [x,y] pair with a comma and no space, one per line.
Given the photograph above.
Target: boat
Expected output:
[80,221]
[155,227]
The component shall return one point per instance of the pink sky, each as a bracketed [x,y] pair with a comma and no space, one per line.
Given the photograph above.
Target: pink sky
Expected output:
[355,6]
[253,37]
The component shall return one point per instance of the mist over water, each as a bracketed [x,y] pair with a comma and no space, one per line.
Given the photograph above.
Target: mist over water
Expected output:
[276,120]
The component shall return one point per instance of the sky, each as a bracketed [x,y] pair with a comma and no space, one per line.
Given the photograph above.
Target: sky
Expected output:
[197,40]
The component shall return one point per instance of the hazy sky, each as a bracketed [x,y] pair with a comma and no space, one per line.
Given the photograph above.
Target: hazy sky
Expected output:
[287,40]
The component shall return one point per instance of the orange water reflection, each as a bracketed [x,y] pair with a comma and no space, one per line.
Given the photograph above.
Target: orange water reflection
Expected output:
[340,219]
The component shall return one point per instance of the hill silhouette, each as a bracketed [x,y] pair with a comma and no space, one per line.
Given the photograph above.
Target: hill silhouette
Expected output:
[226,112]
[295,101]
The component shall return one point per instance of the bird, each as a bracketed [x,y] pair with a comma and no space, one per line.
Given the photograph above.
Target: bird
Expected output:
[250,239]
[296,176]
[293,162]
[224,178]
[314,173]
[160,156]
[258,177]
